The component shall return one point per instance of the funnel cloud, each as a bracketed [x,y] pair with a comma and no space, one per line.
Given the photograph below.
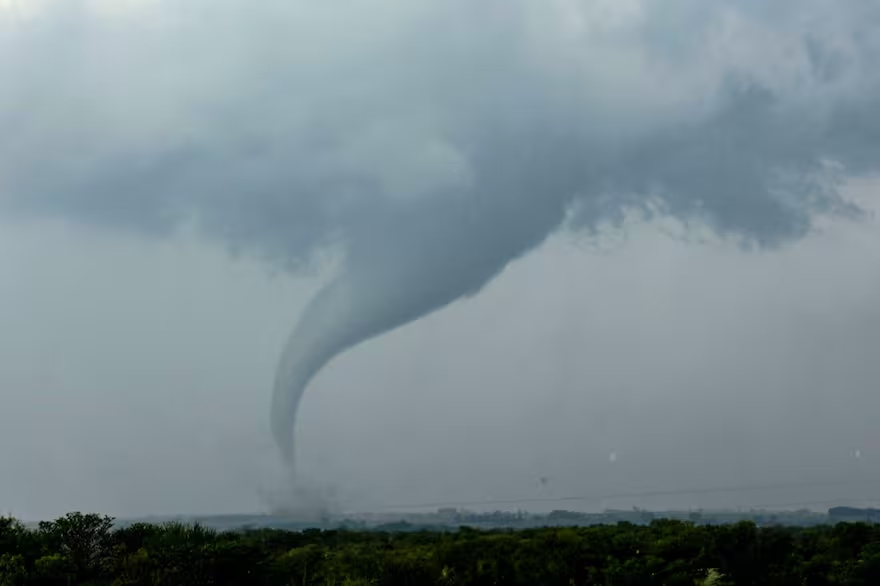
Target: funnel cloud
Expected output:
[427,145]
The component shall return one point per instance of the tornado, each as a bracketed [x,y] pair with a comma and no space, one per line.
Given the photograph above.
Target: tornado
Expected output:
[388,283]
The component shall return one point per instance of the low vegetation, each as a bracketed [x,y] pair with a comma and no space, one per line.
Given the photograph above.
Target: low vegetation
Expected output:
[88,549]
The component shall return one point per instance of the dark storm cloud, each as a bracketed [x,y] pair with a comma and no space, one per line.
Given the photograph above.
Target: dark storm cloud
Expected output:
[431,144]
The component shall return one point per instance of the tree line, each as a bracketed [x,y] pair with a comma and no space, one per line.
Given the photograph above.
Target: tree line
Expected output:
[88,549]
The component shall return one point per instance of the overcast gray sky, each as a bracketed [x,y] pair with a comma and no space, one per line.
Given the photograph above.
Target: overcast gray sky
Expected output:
[173,175]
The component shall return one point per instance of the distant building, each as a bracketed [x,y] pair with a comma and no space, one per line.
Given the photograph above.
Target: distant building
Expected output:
[447,514]
[853,515]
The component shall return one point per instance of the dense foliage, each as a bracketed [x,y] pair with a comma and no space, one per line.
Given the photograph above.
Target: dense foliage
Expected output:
[87,549]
